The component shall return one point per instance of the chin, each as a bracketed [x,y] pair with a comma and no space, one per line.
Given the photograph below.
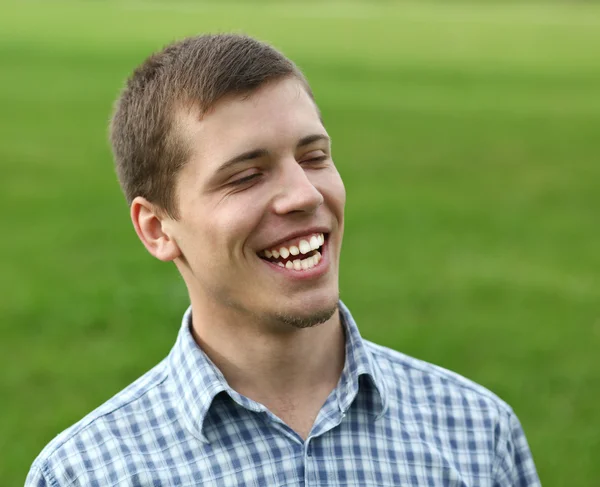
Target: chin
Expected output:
[307,312]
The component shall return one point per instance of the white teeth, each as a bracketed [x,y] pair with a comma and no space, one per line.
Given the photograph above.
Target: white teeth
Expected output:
[304,247]
[302,264]
[314,243]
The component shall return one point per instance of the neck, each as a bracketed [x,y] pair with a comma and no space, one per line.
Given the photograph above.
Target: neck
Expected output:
[284,369]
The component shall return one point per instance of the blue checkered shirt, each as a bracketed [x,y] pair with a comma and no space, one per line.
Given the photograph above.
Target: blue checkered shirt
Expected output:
[391,421]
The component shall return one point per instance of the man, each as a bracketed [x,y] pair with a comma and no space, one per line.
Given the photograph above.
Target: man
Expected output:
[224,159]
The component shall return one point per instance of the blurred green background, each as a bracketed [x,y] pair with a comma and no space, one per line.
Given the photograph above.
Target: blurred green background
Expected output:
[468,138]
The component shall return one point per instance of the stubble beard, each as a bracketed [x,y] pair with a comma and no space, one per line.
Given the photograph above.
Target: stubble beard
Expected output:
[301,322]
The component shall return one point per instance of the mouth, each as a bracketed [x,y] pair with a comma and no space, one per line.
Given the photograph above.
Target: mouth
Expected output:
[299,255]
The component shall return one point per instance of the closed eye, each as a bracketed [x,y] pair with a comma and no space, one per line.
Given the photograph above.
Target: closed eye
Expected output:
[245,179]
[314,160]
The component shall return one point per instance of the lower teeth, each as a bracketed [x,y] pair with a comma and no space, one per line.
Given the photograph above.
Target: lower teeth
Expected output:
[302,265]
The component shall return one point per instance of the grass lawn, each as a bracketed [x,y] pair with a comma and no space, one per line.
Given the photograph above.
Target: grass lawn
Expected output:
[468,140]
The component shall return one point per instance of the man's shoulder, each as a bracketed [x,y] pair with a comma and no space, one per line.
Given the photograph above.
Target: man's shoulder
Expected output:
[99,427]
[426,382]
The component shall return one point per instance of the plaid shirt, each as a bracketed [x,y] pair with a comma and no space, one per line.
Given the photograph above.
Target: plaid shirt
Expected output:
[391,421]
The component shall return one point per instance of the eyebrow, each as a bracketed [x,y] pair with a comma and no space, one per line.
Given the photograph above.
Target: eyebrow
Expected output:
[309,139]
[258,153]
[245,156]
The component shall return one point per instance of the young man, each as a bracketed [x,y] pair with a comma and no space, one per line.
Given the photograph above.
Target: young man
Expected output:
[226,164]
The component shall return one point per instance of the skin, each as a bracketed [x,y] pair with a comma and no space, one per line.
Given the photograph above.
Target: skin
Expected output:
[275,334]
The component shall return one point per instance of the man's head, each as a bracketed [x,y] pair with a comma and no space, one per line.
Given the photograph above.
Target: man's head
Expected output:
[222,154]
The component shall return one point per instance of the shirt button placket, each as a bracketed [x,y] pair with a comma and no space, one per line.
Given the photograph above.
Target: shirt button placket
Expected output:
[308,470]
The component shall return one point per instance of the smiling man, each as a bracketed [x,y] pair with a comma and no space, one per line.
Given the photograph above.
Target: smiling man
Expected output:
[226,164]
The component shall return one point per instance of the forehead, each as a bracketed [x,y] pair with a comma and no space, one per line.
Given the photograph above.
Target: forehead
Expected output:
[274,117]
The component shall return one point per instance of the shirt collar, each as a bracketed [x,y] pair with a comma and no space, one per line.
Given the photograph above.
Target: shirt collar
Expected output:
[359,362]
[197,380]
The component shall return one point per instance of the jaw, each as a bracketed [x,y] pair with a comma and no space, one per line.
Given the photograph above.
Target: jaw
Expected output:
[264,292]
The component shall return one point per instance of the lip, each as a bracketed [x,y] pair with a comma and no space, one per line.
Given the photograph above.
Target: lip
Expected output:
[296,234]
[314,272]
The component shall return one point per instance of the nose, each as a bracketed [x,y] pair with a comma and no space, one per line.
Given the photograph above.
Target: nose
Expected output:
[296,191]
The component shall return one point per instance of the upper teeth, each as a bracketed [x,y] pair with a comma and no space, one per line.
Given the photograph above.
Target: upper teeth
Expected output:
[303,247]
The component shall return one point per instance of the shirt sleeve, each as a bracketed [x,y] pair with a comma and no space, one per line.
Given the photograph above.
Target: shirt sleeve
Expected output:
[36,478]
[514,466]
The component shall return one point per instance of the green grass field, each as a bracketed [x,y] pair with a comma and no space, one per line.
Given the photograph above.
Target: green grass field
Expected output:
[468,138]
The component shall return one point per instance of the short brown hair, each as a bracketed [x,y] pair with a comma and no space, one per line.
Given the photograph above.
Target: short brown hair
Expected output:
[198,71]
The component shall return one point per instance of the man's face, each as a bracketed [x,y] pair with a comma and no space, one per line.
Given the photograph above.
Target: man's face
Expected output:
[261,182]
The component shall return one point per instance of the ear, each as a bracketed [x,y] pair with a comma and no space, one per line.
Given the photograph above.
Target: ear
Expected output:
[149,224]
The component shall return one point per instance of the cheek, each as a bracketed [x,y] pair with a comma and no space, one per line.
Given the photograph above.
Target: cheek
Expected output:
[333,190]
[341,192]
[234,223]
[197,235]
[197,241]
